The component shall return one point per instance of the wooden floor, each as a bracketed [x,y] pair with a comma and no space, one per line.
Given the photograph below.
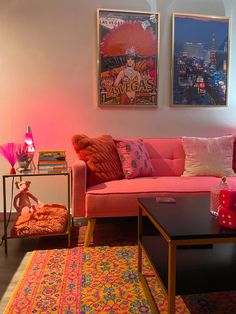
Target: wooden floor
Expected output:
[12,265]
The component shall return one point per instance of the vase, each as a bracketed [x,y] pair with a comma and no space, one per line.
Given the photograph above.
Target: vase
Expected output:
[23,165]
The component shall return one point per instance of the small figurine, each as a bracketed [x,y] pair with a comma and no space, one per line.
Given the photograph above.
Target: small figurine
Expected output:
[22,202]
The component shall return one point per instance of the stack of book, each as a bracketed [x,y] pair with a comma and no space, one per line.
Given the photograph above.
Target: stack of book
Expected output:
[52,160]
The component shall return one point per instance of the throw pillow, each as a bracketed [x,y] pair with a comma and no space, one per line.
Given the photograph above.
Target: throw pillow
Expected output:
[100,155]
[208,156]
[134,158]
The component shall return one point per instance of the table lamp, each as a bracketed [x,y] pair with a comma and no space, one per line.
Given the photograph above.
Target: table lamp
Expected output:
[29,146]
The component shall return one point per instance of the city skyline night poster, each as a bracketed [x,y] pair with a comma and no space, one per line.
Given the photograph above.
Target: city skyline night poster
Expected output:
[200,59]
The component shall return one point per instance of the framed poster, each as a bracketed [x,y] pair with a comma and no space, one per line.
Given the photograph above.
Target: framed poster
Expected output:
[127,58]
[200,59]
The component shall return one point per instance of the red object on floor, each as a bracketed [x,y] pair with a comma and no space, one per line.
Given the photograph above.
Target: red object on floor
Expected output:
[227,217]
[227,199]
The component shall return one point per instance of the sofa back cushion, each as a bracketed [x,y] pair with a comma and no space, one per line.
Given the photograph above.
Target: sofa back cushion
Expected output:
[166,155]
[101,157]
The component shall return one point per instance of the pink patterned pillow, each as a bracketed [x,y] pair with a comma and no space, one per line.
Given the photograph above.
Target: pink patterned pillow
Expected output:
[134,158]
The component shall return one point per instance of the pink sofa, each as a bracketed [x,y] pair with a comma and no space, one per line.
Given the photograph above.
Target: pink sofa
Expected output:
[119,198]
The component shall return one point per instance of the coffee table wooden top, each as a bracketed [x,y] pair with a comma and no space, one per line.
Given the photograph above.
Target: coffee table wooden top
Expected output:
[187,218]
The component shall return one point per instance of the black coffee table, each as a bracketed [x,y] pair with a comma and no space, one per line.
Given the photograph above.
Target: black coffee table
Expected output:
[190,252]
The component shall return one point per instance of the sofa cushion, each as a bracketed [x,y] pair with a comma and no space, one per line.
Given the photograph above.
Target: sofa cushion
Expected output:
[134,158]
[119,198]
[101,157]
[208,156]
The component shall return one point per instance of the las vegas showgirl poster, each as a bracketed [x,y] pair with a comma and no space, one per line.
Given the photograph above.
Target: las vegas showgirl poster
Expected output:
[128,46]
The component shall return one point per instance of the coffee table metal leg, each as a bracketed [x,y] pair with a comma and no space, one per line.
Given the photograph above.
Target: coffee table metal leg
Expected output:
[148,294]
[140,232]
[171,277]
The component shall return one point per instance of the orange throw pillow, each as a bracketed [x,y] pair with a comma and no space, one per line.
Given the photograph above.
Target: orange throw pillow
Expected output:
[101,157]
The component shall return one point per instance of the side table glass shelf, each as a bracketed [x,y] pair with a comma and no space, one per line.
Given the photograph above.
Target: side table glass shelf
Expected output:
[36,173]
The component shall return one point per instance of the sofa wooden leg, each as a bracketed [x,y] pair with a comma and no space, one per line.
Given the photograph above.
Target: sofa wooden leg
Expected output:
[89,231]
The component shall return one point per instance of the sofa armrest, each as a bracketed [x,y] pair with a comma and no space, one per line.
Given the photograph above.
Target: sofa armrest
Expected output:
[79,183]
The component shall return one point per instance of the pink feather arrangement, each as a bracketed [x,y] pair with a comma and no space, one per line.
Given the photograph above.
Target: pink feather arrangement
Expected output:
[9,151]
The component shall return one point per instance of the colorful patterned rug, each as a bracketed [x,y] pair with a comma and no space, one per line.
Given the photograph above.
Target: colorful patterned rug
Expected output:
[98,279]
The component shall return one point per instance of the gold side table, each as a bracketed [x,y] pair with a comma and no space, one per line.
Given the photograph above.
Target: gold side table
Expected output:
[36,173]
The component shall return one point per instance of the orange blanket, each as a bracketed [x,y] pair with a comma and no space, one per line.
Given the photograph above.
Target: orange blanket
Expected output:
[50,218]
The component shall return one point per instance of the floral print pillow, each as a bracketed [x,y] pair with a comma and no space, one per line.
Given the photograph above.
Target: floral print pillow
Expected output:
[134,158]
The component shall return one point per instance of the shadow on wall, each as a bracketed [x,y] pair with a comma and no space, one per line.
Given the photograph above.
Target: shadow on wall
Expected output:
[208,7]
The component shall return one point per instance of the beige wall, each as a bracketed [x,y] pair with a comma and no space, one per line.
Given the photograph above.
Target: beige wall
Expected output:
[48,76]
